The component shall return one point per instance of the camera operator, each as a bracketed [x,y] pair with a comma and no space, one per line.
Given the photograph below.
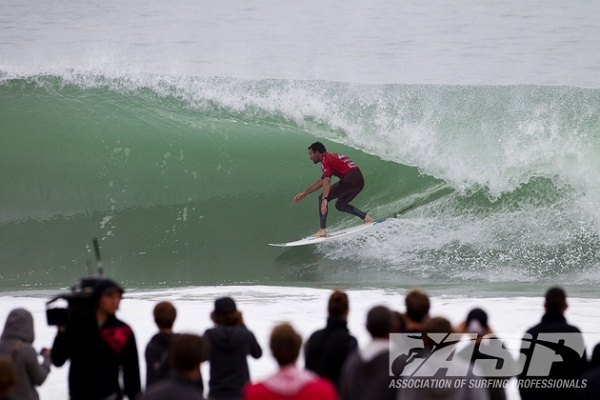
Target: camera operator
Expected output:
[99,346]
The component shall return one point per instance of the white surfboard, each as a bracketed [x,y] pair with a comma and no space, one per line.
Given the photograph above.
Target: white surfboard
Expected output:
[310,240]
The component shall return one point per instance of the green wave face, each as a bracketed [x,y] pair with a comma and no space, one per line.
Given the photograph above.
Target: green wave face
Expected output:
[185,181]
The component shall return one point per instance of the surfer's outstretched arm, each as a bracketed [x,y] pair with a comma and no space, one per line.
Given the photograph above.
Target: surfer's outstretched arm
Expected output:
[315,186]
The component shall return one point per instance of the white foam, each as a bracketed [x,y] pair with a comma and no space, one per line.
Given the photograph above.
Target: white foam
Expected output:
[305,308]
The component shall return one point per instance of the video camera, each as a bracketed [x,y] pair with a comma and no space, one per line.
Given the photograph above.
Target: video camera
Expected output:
[80,303]
[81,300]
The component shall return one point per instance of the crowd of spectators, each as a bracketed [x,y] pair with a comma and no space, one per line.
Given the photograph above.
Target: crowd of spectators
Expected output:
[104,363]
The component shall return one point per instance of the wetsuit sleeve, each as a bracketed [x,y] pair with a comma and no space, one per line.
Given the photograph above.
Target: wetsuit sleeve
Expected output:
[131,369]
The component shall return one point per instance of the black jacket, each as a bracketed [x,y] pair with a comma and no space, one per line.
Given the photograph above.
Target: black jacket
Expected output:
[97,355]
[570,368]
[228,348]
[157,358]
[174,388]
[327,349]
[365,376]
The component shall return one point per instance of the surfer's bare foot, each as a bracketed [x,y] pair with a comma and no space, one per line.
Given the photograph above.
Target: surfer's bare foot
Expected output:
[368,219]
[320,233]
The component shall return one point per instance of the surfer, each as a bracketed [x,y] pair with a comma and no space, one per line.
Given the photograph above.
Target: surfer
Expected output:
[350,183]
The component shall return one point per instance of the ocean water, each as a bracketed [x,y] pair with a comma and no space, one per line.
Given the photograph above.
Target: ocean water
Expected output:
[176,134]
[186,181]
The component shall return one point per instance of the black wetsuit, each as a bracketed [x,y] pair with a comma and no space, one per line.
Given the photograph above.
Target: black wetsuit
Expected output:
[345,190]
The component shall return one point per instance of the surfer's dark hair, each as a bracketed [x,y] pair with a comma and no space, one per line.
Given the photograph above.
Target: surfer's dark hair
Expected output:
[318,146]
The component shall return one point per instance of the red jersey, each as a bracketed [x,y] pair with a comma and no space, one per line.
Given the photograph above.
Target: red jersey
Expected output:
[336,164]
[291,383]
[320,389]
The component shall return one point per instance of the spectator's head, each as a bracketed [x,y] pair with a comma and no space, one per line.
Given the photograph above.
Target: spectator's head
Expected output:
[186,352]
[435,325]
[108,293]
[225,312]
[399,322]
[105,286]
[285,344]
[338,304]
[8,376]
[556,300]
[380,322]
[164,315]
[19,326]
[477,321]
[417,305]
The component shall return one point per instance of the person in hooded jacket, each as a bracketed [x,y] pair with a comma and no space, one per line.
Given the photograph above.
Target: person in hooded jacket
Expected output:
[16,342]
[289,382]
[230,342]
[365,374]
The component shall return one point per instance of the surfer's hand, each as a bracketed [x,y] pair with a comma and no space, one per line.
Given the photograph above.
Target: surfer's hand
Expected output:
[299,197]
[324,206]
